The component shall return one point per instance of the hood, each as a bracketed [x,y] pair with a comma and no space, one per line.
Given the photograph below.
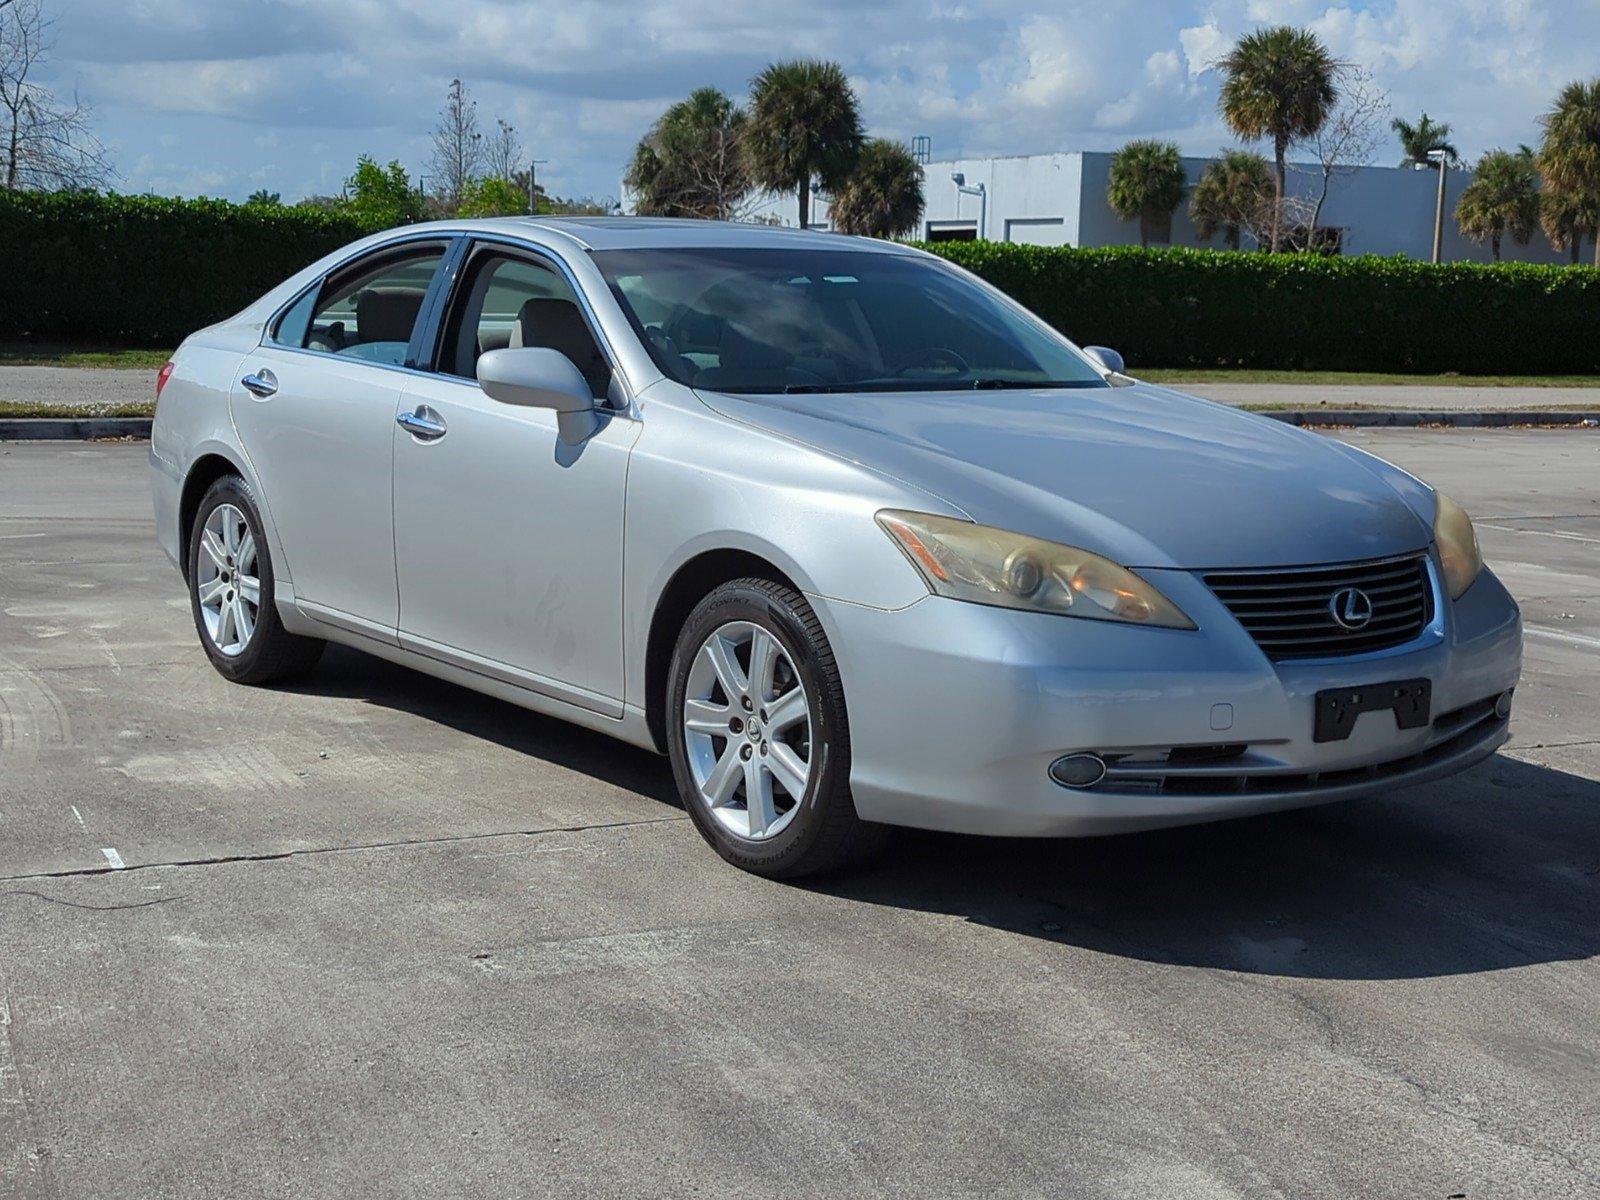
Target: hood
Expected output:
[1145,476]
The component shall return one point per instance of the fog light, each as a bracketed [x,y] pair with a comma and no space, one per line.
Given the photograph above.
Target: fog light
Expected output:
[1502,705]
[1078,770]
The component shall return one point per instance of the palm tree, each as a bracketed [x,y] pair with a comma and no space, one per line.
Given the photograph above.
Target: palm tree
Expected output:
[1420,140]
[1147,182]
[1567,219]
[804,125]
[883,196]
[1569,155]
[1278,83]
[1501,200]
[1233,193]
[691,163]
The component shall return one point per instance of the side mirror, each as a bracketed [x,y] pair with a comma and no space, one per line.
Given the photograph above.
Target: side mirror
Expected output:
[534,377]
[1107,358]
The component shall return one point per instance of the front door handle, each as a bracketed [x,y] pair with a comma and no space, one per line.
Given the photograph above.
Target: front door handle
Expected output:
[261,384]
[425,423]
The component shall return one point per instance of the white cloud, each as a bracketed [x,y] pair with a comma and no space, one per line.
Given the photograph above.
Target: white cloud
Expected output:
[583,79]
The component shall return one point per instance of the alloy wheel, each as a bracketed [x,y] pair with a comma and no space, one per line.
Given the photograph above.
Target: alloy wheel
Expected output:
[747,729]
[226,581]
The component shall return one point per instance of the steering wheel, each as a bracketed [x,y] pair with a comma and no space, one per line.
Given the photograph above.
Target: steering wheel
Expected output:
[935,357]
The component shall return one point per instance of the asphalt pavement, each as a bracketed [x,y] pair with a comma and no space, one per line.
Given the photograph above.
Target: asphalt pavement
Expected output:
[376,935]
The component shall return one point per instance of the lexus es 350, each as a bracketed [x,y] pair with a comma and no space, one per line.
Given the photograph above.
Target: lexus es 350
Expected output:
[850,536]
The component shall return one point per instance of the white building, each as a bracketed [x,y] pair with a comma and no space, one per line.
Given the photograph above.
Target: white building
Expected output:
[1060,200]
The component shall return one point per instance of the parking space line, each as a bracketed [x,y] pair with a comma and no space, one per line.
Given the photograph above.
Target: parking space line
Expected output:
[1555,533]
[114,858]
[1558,635]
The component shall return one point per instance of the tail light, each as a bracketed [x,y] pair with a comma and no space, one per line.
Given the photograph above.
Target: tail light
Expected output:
[162,376]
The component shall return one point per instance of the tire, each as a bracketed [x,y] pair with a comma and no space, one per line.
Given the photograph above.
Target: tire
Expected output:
[269,653]
[790,837]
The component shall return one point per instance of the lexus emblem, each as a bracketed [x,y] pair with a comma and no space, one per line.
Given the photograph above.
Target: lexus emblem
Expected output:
[1351,608]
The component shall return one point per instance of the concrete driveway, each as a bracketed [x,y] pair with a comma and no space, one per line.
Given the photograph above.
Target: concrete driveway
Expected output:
[376,935]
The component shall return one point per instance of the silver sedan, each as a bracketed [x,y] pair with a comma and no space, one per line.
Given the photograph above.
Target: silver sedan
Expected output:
[845,532]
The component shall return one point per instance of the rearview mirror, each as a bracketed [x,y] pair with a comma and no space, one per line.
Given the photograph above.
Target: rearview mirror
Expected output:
[1106,357]
[535,377]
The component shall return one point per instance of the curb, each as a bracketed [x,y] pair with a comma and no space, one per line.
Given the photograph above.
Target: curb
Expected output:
[64,429]
[1313,418]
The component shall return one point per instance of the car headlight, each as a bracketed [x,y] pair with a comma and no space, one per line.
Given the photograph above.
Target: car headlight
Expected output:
[1458,545]
[1010,570]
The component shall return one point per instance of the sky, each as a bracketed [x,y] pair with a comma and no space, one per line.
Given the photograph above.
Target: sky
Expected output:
[221,97]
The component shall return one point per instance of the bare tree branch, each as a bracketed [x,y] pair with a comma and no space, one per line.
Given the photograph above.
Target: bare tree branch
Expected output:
[457,146]
[45,143]
[1349,137]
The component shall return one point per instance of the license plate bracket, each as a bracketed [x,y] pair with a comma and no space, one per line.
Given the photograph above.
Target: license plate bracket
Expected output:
[1337,708]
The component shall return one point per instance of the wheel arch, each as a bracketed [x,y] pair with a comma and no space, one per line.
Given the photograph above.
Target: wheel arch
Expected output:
[206,469]
[694,580]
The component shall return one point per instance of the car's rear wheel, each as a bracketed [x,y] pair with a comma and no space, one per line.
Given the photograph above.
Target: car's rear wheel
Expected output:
[230,591]
[758,734]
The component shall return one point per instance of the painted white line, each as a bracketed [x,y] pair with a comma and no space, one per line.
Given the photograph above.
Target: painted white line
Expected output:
[114,858]
[1557,635]
[77,814]
[1555,533]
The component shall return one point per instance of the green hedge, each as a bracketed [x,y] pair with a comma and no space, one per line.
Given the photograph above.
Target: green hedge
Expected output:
[1205,308]
[145,270]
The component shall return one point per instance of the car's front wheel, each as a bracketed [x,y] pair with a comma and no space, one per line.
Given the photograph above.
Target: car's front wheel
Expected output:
[758,735]
[230,591]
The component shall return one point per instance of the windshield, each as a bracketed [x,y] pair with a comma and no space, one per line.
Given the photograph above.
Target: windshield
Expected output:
[781,320]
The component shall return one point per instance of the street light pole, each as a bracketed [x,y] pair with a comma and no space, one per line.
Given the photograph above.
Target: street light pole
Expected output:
[1440,157]
[533,194]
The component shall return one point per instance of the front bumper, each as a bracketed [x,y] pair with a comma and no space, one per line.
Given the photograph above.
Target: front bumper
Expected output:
[957,711]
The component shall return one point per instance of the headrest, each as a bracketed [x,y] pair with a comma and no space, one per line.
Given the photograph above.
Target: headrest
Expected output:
[387,314]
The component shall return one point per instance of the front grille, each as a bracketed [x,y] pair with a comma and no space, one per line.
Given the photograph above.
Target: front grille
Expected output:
[1289,610]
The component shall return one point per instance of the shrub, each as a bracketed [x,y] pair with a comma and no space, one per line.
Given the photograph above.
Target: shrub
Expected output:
[146,270]
[1206,308]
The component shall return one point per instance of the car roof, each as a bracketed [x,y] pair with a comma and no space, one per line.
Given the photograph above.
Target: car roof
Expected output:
[632,233]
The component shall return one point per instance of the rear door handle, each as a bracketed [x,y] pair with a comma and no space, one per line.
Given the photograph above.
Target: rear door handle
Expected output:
[261,384]
[425,423]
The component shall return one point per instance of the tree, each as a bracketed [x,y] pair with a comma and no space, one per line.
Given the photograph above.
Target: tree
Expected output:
[691,163]
[1349,137]
[502,154]
[1502,200]
[1147,182]
[1569,154]
[263,198]
[492,196]
[883,196]
[1278,83]
[1234,194]
[382,195]
[1420,140]
[1567,219]
[46,142]
[457,146]
[804,124]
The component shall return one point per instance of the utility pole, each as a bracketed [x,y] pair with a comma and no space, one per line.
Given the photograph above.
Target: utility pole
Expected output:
[533,194]
[1440,157]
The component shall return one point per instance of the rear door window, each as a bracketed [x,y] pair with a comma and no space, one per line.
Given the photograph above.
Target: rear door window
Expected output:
[367,311]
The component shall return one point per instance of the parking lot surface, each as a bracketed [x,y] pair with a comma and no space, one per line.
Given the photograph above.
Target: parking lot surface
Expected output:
[376,935]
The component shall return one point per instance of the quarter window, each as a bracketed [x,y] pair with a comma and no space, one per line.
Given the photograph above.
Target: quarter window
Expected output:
[368,311]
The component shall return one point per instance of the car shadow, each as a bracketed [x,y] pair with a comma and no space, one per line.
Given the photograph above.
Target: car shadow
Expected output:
[1496,868]
[353,674]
